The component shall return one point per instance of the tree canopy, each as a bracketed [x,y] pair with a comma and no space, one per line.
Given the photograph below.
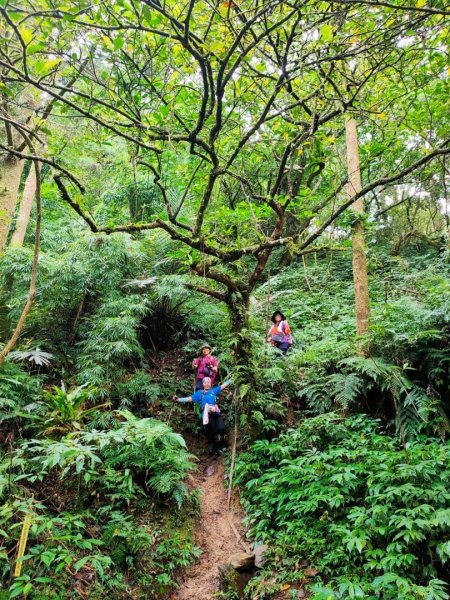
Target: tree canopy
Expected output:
[171,174]
[235,111]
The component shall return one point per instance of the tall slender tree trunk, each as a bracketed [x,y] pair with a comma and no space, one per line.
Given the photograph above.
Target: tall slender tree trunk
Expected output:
[362,303]
[26,204]
[10,172]
[33,276]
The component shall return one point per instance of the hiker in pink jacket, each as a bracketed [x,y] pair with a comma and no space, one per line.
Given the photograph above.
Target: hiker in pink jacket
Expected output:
[205,365]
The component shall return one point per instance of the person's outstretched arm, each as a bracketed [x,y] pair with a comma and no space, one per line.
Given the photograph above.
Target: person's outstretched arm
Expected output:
[186,399]
[226,384]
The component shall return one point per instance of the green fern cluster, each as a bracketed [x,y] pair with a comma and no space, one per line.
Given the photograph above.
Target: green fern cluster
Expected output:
[122,464]
[110,341]
[97,500]
[18,389]
[363,381]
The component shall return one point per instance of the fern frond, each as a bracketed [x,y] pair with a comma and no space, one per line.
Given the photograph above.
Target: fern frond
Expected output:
[346,388]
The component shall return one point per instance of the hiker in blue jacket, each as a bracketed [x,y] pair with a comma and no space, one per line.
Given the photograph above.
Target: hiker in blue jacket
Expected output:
[212,420]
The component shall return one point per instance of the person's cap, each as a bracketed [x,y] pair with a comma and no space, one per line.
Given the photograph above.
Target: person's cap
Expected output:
[205,346]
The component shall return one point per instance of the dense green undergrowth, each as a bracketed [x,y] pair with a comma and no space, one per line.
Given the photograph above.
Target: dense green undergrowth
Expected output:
[405,381]
[341,500]
[110,513]
[197,168]
[94,465]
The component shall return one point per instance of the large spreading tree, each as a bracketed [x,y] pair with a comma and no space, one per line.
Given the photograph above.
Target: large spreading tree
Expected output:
[237,110]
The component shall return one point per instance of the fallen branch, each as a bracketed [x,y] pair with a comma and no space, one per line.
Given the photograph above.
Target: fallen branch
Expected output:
[236,533]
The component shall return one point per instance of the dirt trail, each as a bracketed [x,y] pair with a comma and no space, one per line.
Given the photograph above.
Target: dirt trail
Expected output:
[214,535]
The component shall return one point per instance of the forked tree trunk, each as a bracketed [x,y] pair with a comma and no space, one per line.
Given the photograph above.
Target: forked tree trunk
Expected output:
[10,172]
[362,303]
[26,204]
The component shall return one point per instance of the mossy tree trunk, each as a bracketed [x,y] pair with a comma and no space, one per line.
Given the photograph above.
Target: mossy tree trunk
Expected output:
[244,370]
[362,303]
[238,306]
[10,172]
[26,204]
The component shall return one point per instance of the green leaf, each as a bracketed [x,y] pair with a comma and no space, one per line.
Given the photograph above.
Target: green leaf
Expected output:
[151,17]
[326,33]
[4,89]
[118,42]
[49,64]
[26,35]
[108,42]
[33,48]
[28,587]
[80,563]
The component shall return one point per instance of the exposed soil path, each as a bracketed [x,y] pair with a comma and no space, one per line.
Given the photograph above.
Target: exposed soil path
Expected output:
[214,534]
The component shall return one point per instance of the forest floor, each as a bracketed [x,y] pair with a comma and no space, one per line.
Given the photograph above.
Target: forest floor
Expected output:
[217,528]
[214,533]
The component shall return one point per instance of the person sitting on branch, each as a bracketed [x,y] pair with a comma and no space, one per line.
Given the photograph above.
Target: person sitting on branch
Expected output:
[213,423]
[280,333]
[205,365]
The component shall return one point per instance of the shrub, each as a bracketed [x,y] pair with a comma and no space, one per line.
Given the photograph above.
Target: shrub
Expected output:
[366,513]
[97,501]
[17,389]
[122,464]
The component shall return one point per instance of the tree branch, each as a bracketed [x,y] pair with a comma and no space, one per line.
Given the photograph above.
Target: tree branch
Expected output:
[204,290]
[414,8]
[76,207]
[377,183]
[46,161]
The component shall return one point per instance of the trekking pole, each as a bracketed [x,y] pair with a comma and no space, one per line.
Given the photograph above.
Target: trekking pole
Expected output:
[233,450]
[267,319]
